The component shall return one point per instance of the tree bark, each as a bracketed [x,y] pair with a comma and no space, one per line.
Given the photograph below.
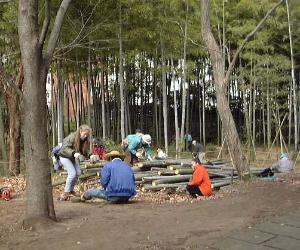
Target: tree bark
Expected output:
[184,80]
[232,137]
[3,165]
[164,94]
[39,202]
[293,78]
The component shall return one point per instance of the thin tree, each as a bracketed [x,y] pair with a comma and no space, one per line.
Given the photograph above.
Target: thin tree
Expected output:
[293,77]
[221,81]
[121,74]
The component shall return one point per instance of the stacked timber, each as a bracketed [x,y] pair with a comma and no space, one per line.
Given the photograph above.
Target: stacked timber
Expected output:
[170,173]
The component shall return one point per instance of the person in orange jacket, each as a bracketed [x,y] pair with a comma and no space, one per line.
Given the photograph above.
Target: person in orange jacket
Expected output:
[200,185]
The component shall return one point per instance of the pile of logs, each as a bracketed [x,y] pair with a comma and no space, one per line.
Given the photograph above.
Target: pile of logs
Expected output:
[171,173]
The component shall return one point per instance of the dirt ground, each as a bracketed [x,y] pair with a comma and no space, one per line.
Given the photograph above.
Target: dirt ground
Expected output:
[190,224]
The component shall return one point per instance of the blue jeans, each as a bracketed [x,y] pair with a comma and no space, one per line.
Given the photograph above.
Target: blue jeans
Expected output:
[73,170]
[101,194]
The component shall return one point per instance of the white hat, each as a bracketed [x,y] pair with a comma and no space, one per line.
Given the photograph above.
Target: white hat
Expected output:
[146,139]
[194,142]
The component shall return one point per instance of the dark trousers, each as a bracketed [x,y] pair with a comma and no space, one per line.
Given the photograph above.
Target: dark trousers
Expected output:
[194,191]
[130,158]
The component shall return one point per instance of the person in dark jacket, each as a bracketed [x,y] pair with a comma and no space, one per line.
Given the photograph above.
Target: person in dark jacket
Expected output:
[75,148]
[198,150]
[117,181]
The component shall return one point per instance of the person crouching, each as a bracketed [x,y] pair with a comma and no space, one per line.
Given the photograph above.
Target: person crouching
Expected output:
[117,180]
[200,185]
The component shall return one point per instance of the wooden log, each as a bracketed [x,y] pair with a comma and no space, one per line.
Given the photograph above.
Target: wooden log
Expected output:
[95,165]
[149,164]
[163,186]
[152,178]
[184,171]
[221,184]
[83,177]
[139,176]
[162,168]
[174,167]
[166,172]
[182,162]
[171,179]
[91,170]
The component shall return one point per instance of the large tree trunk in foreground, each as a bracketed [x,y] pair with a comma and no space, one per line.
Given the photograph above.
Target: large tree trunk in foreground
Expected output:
[39,202]
[217,61]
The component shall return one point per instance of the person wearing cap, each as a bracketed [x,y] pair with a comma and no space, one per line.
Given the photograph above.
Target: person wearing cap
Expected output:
[117,181]
[200,185]
[198,150]
[284,165]
[135,146]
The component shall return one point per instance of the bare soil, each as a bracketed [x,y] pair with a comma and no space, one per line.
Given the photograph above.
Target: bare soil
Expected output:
[142,224]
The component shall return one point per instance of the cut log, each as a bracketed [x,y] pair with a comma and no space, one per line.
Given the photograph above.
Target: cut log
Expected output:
[139,176]
[184,171]
[184,166]
[182,162]
[152,178]
[166,172]
[164,186]
[162,168]
[171,179]
[221,184]
[149,164]
[94,165]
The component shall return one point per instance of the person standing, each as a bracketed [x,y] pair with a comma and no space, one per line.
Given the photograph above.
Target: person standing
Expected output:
[75,147]
[198,150]
[117,180]
[200,185]
[188,142]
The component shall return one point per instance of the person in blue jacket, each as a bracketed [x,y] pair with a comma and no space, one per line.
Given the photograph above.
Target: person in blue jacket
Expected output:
[117,180]
[136,146]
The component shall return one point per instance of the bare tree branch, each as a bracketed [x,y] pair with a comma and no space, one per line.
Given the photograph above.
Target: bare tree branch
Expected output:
[56,29]
[45,23]
[82,28]
[248,37]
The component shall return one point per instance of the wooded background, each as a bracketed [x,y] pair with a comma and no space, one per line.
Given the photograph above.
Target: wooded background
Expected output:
[122,65]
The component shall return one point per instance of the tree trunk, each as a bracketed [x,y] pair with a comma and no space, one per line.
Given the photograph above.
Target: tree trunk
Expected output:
[3,165]
[232,137]
[175,110]
[121,74]
[13,100]
[39,202]
[184,80]
[293,78]
[60,104]
[164,94]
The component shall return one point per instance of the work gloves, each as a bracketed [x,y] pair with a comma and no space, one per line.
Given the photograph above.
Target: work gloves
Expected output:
[79,157]
[94,158]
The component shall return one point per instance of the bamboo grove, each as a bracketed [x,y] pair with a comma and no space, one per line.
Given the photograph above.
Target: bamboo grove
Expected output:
[127,64]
